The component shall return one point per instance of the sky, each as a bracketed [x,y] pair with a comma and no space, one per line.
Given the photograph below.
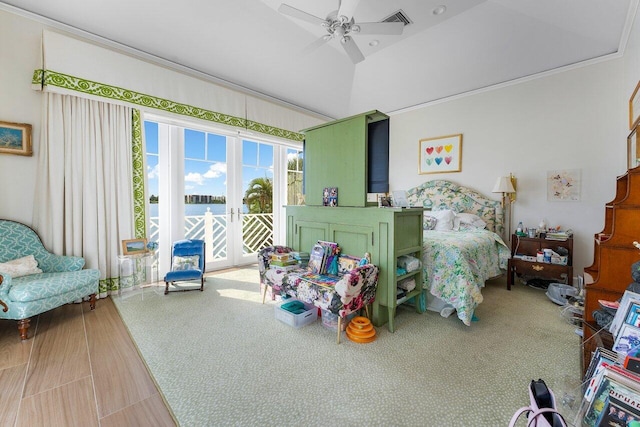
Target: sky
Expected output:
[206,161]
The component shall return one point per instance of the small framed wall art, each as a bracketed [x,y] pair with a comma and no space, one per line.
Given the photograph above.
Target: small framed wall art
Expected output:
[15,138]
[563,185]
[634,107]
[134,246]
[633,149]
[440,154]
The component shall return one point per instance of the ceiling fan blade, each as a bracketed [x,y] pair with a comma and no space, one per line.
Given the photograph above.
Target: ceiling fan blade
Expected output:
[347,7]
[382,28]
[352,49]
[285,9]
[315,45]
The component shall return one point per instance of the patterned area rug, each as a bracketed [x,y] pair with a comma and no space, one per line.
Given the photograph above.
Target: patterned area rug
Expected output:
[221,358]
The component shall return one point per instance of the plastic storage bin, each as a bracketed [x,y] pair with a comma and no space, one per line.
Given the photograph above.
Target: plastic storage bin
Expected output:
[330,320]
[296,320]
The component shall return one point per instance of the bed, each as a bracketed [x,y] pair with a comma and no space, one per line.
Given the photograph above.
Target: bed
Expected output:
[459,258]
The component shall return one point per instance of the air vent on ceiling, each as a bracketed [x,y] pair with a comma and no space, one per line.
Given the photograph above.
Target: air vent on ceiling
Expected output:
[398,16]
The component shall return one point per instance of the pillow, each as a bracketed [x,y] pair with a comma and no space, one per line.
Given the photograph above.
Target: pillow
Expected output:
[429,222]
[20,267]
[190,262]
[444,219]
[471,219]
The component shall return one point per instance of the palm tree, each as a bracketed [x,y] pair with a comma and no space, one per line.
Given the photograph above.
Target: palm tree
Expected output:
[259,195]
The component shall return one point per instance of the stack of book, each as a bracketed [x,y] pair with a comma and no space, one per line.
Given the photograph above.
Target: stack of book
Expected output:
[612,392]
[558,235]
[301,257]
[283,262]
[612,380]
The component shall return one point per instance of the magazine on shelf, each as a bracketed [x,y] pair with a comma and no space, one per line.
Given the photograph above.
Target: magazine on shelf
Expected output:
[615,391]
[628,298]
[600,355]
[628,340]
[633,314]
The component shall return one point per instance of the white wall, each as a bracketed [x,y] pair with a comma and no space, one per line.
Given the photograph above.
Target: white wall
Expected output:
[20,51]
[571,120]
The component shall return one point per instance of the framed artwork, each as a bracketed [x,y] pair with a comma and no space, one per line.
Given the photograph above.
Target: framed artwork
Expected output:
[563,185]
[15,138]
[440,154]
[633,150]
[634,107]
[134,246]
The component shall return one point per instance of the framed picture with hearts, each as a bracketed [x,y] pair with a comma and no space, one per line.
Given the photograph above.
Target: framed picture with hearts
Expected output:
[440,154]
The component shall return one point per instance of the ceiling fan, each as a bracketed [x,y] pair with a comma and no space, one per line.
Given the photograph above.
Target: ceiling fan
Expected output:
[341,25]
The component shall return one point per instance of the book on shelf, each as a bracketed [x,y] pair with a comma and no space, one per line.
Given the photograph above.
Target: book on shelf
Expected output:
[291,267]
[332,251]
[283,263]
[316,259]
[281,257]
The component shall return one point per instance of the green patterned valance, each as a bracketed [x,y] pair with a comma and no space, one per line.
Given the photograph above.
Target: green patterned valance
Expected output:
[43,78]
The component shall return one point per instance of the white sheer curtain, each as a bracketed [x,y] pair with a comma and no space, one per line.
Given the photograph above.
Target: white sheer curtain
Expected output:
[84,189]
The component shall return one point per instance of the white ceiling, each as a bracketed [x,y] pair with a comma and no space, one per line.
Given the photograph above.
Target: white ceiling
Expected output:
[473,45]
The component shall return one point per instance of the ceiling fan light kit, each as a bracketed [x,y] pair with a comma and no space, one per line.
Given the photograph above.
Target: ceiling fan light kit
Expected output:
[340,23]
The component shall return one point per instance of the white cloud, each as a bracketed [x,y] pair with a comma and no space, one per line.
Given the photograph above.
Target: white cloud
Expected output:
[152,172]
[216,170]
[194,177]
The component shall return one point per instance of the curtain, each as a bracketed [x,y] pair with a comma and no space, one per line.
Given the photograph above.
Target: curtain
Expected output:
[84,187]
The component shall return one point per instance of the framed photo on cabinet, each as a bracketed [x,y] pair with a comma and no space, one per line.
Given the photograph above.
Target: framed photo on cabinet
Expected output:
[633,149]
[440,154]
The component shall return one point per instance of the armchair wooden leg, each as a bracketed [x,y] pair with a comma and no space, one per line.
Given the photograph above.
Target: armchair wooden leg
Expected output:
[366,310]
[264,293]
[166,288]
[339,328]
[23,327]
[92,301]
[202,284]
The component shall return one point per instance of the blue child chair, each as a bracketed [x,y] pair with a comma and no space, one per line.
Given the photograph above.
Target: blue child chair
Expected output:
[187,264]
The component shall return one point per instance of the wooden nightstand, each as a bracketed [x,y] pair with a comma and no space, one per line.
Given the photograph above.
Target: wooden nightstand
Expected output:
[530,246]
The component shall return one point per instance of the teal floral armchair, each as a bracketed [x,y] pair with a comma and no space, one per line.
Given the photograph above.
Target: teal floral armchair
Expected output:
[33,280]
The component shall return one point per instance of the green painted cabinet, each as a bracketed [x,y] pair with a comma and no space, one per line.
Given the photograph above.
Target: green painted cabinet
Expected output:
[386,233]
[351,154]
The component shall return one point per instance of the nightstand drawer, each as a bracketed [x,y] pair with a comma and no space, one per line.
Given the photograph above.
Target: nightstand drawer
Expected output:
[540,269]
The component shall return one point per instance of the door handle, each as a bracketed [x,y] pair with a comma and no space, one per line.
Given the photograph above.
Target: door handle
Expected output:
[231,214]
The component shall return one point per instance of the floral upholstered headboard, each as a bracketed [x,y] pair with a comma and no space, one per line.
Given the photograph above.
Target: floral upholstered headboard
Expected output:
[441,194]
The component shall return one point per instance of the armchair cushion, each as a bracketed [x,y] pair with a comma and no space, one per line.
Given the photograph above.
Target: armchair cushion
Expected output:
[46,285]
[20,267]
[181,263]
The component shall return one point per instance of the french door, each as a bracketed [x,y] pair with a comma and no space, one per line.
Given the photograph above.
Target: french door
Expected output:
[215,186]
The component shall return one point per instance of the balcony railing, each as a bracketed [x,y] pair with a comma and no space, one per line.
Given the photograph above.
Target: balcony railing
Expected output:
[257,232]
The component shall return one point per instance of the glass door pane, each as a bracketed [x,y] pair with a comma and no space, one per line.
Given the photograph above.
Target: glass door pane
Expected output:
[257,198]
[205,190]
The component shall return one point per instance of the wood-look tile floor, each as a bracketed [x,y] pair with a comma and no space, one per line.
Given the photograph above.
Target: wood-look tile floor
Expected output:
[78,368]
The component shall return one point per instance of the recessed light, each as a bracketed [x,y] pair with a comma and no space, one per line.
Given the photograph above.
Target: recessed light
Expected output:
[439,10]
[374,43]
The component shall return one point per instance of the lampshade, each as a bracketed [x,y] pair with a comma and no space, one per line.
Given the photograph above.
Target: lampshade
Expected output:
[503,185]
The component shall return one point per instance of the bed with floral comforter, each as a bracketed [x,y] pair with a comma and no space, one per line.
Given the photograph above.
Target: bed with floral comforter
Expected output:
[458,260]
[457,263]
